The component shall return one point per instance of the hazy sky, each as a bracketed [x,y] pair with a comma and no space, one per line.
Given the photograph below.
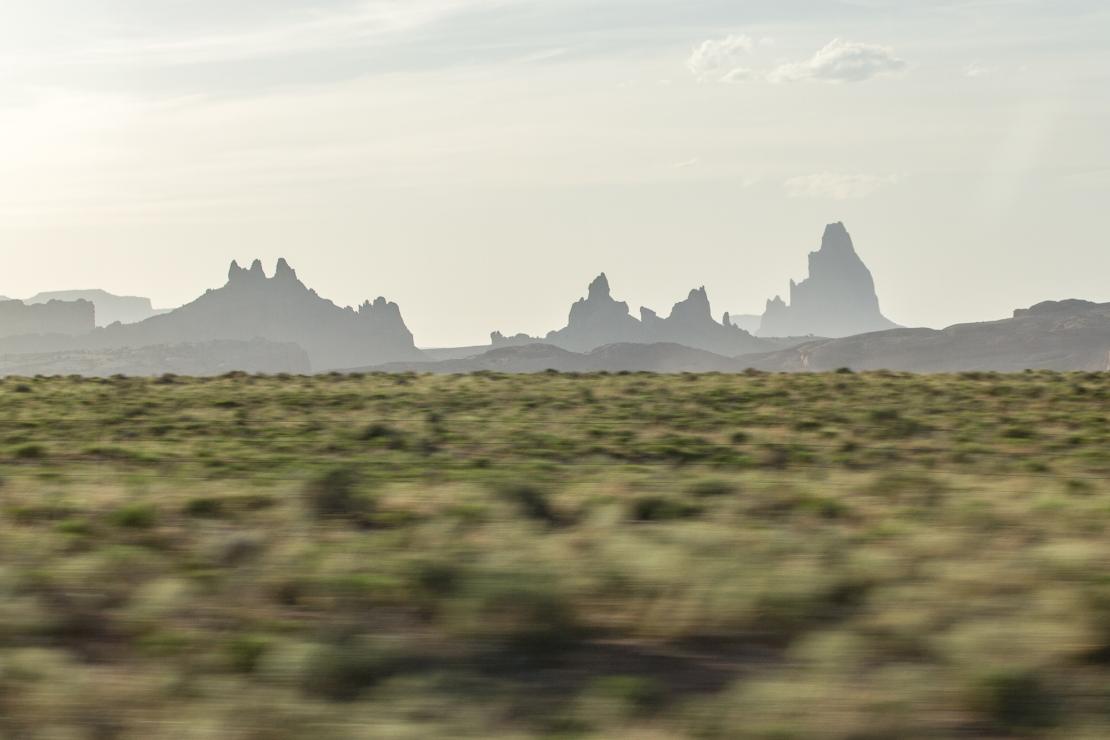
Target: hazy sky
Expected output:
[479,161]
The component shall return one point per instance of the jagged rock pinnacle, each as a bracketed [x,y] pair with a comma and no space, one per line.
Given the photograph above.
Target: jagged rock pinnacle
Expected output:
[283,270]
[234,272]
[836,238]
[599,288]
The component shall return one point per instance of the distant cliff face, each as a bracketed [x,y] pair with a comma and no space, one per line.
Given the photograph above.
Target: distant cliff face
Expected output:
[109,308]
[837,299]
[55,317]
[599,320]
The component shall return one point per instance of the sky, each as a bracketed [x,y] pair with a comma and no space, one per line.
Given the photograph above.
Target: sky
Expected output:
[480,161]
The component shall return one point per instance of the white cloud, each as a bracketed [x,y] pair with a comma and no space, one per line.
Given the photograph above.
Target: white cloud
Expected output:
[842,61]
[719,58]
[833,186]
[741,74]
[975,69]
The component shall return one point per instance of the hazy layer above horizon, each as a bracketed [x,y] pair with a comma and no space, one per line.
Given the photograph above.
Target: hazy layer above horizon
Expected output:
[479,161]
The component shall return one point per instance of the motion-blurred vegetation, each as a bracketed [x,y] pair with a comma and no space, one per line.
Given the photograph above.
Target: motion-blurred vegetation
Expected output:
[812,556]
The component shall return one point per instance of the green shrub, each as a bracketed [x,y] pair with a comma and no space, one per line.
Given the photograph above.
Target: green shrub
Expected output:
[244,652]
[205,507]
[519,613]
[334,495]
[29,452]
[531,501]
[341,672]
[713,487]
[654,508]
[137,515]
[637,695]
[1014,699]
[391,437]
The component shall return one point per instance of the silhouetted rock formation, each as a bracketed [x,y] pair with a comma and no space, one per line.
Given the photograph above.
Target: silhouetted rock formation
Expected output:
[281,309]
[837,299]
[600,320]
[596,320]
[1065,335]
[252,306]
[109,308]
[207,358]
[55,317]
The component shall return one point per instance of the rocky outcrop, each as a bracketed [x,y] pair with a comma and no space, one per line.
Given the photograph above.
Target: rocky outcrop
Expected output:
[596,320]
[277,309]
[109,308]
[69,318]
[1056,308]
[282,309]
[838,298]
[1064,336]
[599,320]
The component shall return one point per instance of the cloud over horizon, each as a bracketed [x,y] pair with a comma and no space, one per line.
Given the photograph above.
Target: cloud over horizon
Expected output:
[721,58]
[728,60]
[834,186]
[842,61]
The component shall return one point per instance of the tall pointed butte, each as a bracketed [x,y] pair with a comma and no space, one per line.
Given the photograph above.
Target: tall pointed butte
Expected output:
[838,298]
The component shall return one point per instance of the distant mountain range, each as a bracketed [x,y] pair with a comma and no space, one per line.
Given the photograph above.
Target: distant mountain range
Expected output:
[251,306]
[1065,335]
[275,323]
[1061,335]
[599,320]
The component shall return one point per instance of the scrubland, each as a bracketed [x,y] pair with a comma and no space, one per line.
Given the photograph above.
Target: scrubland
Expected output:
[618,556]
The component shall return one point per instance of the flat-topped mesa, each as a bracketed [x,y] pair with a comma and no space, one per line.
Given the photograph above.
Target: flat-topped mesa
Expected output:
[69,318]
[838,298]
[110,308]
